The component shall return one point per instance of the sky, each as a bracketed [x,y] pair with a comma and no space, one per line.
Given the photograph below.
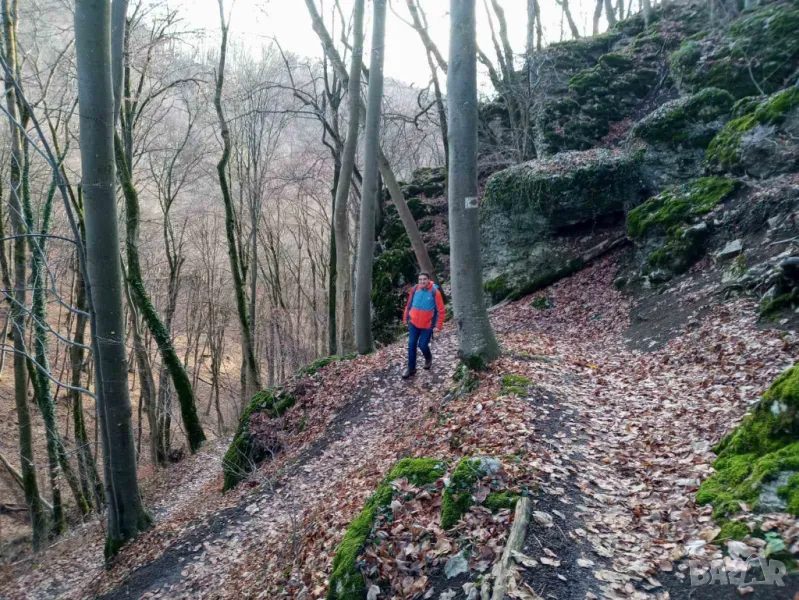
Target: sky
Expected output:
[256,22]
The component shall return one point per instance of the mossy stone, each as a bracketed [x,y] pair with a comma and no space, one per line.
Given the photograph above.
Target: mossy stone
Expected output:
[761,447]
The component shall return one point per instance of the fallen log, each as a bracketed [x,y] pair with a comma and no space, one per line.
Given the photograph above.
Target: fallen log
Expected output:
[518,531]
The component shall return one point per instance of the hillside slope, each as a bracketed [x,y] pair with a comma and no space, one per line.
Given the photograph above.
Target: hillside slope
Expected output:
[610,441]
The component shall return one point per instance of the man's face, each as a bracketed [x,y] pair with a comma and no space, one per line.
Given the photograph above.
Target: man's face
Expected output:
[423,280]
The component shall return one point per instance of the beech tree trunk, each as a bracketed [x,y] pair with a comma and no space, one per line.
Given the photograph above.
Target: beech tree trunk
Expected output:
[366,244]
[344,324]
[476,341]
[126,516]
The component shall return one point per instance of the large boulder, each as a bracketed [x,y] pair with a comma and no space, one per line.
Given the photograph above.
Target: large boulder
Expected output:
[758,52]
[525,204]
[763,142]
[669,230]
[676,135]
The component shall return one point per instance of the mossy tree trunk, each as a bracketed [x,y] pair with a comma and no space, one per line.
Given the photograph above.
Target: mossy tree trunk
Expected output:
[366,245]
[17,309]
[56,451]
[253,377]
[477,344]
[126,516]
[180,379]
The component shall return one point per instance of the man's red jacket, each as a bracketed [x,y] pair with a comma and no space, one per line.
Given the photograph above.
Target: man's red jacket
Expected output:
[425,307]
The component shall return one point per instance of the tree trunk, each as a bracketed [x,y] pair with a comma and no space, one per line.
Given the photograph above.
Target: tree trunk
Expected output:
[331,268]
[56,452]
[17,309]
[87,469]
[180,379]
[366,245]
[610,13]
[530,42]
[647,8]
[126,516]
[344,324]
[253,379]
[477,344]
[572,25]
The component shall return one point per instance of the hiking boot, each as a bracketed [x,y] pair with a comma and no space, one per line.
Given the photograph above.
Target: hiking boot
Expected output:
[407,373]
[428,363]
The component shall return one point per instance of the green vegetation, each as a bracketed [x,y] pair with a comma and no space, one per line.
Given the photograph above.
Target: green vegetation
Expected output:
[725,149]
[679,204]
[498,500]
[670,213]
[515,384]
[770,309]
[681,121]
[244,450]
[346,580]
[458,494]
[763,446]
[733,530]
[498,288]
[759,49]
[541,303]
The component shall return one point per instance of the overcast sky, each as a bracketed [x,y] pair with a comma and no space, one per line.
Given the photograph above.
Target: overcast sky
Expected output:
[255,22]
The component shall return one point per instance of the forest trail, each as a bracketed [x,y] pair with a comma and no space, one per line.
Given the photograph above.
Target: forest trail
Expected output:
[618,440]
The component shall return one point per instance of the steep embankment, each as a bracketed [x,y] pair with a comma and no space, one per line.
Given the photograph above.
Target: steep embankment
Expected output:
[609,441]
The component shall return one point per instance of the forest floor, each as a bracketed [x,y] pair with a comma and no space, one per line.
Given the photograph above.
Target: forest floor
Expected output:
[616,439]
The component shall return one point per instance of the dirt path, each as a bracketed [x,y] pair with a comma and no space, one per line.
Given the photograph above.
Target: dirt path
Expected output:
[200,561]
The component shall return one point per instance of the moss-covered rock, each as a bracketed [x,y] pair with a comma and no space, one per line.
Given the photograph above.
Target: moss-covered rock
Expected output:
[568,189]
[763,142]
[541,303]
[677,133]
[458,498]
[678,205]
[346,580]
[528,203]
[248,450]
[691,120]
[757,51]
[675,244]
[497,501]
[762,447]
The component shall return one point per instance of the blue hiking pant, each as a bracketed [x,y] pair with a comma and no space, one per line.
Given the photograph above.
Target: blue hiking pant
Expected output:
[420,337]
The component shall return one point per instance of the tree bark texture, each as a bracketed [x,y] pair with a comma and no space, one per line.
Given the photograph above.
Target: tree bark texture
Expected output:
[477,344]
[366,244]
[126,516]
[28,468]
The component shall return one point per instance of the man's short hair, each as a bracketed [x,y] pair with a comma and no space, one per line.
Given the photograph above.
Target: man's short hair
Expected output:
[425,273]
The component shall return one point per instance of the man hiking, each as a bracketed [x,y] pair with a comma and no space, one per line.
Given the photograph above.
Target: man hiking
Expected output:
[423,313]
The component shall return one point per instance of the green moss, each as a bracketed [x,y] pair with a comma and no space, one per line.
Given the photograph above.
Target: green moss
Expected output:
[418,471]
[244,452]
[724,151]
[515,384]
[759,49]
[733,530]
[498,500]
[678,204]
[770,309]
[346,580]
[458,494]
[426,226]
[679,121]
[467,380]
[498,288]
[541,303]
[760,448]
